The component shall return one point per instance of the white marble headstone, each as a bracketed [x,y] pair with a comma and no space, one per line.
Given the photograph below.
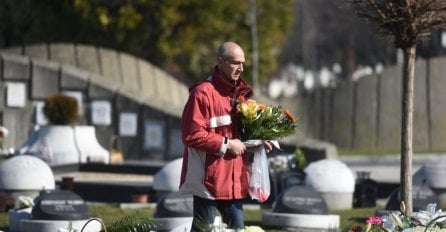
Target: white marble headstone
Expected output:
[330,175]
[334,181]
[168,178]
[25,172]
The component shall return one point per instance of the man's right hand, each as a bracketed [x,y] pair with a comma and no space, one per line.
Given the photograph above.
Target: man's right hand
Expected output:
[236,147]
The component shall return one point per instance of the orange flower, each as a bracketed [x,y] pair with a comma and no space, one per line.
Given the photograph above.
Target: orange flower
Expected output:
[289,115]
[261,106]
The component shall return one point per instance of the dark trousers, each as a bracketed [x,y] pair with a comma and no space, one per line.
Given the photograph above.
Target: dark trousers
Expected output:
[205,211]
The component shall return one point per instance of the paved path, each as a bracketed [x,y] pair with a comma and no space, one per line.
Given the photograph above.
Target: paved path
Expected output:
[384,168]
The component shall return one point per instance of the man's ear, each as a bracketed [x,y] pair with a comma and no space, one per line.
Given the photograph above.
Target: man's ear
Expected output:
[220,60]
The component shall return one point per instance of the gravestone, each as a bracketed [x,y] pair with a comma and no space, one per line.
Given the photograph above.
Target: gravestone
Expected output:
[422,196]
[167,179]
[25,175]
[366,190]
[434,172]
[334,180]
[300,200]
[59,205]
[301,208]
[175,204]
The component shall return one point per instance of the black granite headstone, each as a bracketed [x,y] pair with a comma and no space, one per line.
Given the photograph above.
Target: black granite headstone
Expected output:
[59,205]
[300,200]
[366,191]
[175,205]
[422,195]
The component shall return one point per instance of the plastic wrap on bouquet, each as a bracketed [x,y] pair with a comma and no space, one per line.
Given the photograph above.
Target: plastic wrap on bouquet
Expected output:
[259,185]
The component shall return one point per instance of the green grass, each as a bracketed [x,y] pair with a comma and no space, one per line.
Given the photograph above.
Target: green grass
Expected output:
[110,213]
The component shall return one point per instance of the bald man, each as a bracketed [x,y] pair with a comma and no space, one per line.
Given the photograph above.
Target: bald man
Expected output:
[215,164]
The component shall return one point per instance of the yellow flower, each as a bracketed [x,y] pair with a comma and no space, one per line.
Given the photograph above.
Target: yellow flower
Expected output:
[396,219]
[368,227]
[249,109]
[403,207]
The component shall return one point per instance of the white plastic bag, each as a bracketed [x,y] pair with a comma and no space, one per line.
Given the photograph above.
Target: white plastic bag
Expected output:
[259,185]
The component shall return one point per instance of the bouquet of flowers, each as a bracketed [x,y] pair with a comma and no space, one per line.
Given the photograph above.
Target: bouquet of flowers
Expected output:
[261,122]
[426,220]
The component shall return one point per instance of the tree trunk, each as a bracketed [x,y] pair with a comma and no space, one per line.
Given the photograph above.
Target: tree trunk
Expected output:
[407,128]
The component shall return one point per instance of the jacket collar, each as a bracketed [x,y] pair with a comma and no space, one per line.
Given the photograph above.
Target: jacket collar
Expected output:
[240,88]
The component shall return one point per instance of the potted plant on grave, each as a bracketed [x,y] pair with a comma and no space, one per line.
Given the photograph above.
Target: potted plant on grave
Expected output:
[22,210]
[61,109]
[62,141]
[54,143]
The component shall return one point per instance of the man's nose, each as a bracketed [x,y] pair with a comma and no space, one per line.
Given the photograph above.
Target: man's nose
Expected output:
[241,67]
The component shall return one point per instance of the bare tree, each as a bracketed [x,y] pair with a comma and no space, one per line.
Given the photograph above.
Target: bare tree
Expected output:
[408,21]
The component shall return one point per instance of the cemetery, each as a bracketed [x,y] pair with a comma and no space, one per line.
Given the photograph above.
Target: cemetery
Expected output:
[302,199]
[50,172]
[351,95]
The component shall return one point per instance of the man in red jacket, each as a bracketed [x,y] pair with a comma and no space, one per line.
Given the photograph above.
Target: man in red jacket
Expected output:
[215,165]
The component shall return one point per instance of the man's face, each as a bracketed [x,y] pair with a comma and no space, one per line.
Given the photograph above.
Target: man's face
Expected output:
[231,67]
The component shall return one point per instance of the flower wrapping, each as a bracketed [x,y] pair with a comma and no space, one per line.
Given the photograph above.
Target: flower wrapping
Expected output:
[259,185]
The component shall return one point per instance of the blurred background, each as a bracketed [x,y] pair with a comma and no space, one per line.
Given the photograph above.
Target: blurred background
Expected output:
[126,58]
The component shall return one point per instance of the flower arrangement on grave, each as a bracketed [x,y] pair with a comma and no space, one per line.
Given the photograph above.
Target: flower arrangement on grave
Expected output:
[3,133]
[24,202]
[261,122]
[431,220]
[61,109]
[278,163]
[300,159]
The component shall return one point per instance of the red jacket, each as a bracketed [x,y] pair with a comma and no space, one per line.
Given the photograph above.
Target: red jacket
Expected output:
[208,170]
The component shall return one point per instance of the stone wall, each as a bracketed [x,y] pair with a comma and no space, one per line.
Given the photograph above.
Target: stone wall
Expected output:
[94,74]
[437,98]
[365,115]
